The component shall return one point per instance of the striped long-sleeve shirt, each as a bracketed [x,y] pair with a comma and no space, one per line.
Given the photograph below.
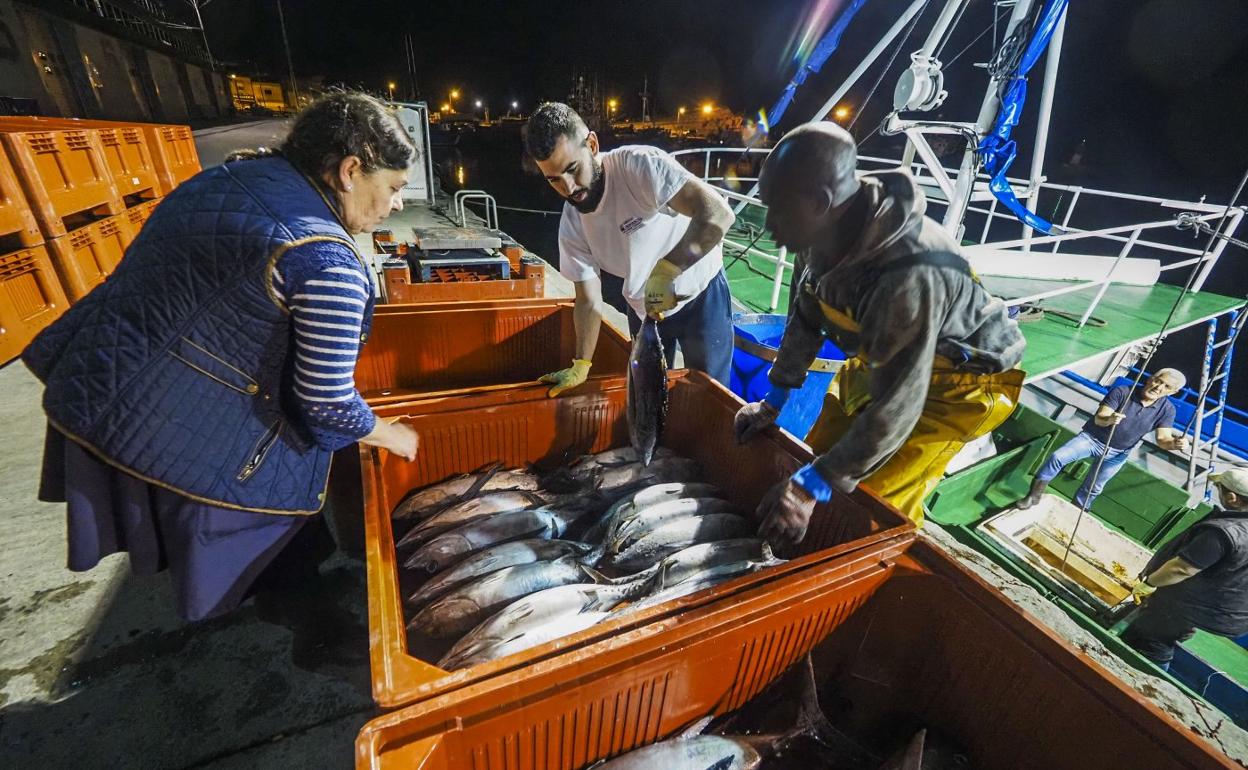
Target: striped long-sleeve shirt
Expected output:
[326,291]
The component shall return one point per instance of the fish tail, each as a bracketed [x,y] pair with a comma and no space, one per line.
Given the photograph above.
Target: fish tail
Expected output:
[813,722]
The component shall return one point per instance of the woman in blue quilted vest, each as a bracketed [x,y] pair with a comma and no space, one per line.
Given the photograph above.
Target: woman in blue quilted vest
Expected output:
[194,399]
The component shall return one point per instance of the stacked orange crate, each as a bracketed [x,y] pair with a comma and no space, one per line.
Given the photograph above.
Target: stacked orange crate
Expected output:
[65,175]
[132,164]
[173,151]
[30,294]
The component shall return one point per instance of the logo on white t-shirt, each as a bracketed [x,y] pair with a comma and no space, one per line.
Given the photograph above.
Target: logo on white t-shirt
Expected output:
[631,225]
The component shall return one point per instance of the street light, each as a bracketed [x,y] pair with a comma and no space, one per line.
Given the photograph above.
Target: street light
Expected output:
[840,113]
[611,105]
[390,85]
[446,106]
[515,105]
[708,108]
[454,94]
[477,104]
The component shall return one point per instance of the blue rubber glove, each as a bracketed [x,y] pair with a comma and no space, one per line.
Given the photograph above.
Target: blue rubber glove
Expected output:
[777,397]
[810,480]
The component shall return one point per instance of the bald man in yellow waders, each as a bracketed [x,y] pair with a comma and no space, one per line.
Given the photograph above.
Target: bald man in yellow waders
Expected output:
[934,357]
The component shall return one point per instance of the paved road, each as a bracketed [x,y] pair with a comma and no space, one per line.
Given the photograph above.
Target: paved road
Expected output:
[215,143]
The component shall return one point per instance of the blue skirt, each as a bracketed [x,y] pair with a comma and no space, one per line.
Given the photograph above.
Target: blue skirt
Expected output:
[213,555]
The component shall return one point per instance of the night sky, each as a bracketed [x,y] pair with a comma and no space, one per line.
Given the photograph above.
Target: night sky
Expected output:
[1156,87]
[1152,94]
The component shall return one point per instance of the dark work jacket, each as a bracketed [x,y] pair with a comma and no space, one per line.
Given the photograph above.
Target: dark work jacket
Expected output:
[178,368]
[1214,599]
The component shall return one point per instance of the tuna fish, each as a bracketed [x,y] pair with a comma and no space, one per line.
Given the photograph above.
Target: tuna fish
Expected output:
[455,545]
[613,482]
[468,511]
[466,607]
[680,534]
[703,752]
[657,493]
[647,519]
[724,558]
[433,498]
[702,566]
[494,559]
[647,391]
[539,618]
[690,751]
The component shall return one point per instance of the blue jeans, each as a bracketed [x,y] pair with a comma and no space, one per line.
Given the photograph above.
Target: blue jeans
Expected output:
[702,328]
[1077,448]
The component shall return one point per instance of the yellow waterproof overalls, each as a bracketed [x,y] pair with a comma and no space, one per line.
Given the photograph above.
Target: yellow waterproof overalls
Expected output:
[960,407]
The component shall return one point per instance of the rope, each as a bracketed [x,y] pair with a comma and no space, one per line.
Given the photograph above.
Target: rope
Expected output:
[990,28]
[1096,472]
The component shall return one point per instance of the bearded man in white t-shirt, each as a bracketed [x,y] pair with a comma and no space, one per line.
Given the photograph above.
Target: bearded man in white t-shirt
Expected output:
[636,221]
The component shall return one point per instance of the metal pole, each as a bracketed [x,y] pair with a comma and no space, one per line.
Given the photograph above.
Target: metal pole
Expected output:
[970,159]
[938,30]
[211,64]
[1052,58]
[778,280]
[1122,254]
[1211,259]
[290,64]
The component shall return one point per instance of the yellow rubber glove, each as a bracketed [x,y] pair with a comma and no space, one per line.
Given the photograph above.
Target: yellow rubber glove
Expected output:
[566,379]
[660,292]
[1141,591]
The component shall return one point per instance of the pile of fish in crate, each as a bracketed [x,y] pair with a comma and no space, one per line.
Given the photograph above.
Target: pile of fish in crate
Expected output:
[500,561]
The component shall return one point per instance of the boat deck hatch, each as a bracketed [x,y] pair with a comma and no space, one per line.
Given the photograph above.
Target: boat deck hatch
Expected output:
[1102,565]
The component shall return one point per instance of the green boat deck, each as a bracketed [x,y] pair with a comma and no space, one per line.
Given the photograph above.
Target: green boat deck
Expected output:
[1132,314]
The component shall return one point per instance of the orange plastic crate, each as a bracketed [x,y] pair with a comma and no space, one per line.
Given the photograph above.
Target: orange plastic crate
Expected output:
[174,158]
[16,218]
[62,172]
[137,216]
[528,283]
[521,426]
[904,640]
[427,350]
[130,161]
[30,298]
[85,257]
[174,153]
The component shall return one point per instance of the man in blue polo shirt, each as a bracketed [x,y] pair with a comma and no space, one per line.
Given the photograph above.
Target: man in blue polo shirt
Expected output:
[1147,411]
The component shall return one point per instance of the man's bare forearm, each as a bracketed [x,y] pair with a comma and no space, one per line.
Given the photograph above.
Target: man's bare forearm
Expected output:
[587,320]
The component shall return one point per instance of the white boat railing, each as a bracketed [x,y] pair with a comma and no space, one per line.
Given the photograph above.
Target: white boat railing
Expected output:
[1161,218]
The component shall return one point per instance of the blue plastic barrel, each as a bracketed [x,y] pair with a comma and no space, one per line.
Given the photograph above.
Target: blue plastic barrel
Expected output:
[757,337]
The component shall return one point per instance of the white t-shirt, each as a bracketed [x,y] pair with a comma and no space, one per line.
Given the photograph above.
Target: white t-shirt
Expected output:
[633,227]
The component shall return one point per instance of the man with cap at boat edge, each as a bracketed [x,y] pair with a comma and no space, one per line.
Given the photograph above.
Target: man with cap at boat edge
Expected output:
[638,224]
[931,356]
[1197,580]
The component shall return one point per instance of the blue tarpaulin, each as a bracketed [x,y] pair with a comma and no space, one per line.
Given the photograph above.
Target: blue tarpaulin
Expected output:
[997,150]
[822,52]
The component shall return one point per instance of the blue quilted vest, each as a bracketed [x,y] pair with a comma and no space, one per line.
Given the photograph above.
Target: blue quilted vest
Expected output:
[178,369]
